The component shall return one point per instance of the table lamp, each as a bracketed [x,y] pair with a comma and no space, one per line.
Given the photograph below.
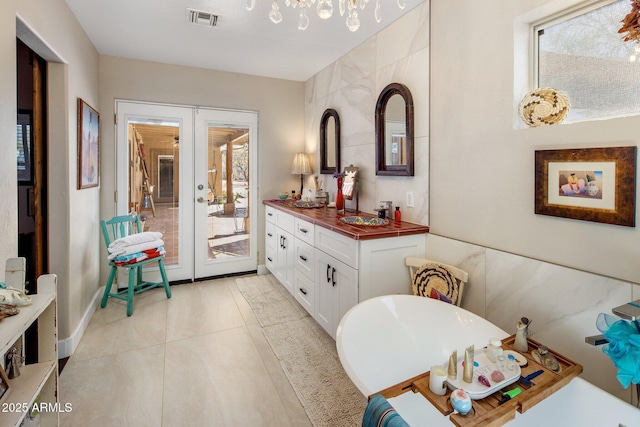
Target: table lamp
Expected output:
[301,166]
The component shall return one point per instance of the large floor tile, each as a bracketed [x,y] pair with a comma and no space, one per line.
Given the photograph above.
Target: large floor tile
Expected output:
[116,390]
[219,380]
[111,331]
[201,308]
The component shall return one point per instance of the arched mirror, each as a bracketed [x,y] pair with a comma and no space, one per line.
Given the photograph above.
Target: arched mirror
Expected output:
[394,131]
[329,141]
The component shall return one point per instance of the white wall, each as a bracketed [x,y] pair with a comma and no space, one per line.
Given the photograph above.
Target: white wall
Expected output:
[280,118]
[8,99]
[485,156]
[351,86]
[73,214]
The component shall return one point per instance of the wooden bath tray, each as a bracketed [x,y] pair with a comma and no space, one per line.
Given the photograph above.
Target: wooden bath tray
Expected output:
[487,412]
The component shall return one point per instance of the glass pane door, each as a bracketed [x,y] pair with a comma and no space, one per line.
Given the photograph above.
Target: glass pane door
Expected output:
[155,154]
[224,159]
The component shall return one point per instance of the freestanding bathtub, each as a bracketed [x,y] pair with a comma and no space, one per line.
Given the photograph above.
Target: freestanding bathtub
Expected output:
[386,340]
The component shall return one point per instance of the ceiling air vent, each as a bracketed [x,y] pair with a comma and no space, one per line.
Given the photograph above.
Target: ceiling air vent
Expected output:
[200,17]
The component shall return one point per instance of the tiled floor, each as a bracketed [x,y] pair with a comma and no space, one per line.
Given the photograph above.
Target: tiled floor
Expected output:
[198,359]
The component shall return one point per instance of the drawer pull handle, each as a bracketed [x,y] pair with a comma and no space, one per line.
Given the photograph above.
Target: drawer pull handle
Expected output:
[303,291]
[333,276]
[269,258]
[328,270]
[304,230]
[302,257]
[269,234]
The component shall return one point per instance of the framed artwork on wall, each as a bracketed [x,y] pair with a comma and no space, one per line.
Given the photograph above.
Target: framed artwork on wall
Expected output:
[589,184]
[88,146]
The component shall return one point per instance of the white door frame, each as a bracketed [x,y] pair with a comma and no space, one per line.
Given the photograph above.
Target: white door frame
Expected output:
[192,264]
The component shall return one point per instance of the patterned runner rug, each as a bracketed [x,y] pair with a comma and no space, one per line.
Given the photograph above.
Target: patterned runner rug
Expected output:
[306,353]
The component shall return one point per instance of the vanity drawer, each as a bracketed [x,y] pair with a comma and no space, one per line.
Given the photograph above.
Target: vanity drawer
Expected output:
[304,231]
[270,259]
[305,259]
[285,221]
[304,291]
[270,235]
[338,246]
[270,214]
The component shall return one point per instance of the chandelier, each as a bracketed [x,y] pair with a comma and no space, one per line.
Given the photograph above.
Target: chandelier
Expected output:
[325,10]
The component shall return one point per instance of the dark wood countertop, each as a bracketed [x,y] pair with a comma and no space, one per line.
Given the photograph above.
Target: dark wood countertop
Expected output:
[329,218]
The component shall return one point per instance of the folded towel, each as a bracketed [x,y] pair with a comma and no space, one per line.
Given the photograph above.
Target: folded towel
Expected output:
[123,260]
[380,413]
[134,239]
[127,250]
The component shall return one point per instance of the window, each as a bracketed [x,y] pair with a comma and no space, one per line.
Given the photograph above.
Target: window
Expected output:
[580,53]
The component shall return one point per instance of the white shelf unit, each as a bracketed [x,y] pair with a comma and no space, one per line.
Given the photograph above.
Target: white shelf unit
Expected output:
[37,379]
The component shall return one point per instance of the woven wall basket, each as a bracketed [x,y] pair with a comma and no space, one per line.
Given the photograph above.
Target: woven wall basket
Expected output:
[545,106]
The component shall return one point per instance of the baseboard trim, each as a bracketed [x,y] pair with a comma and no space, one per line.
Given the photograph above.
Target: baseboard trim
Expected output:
[67,346]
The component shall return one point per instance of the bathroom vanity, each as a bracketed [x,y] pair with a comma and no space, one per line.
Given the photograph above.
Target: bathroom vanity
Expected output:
[329,266]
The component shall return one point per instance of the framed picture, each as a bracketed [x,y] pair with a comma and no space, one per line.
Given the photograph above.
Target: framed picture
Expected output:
[88,146]
[589,184]
[4,383]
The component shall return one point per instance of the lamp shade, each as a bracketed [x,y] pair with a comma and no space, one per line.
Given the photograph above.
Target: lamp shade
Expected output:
[301,164]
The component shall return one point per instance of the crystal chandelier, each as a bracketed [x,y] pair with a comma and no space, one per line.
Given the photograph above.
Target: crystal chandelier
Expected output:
[325,10]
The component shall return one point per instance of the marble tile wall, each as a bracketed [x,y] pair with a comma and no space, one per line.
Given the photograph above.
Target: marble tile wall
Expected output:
[562,303]
[351,85]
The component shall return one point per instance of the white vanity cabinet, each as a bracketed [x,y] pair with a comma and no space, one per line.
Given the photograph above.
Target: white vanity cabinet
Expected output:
[329,270]
[279,245]
[337,291]
[38,382]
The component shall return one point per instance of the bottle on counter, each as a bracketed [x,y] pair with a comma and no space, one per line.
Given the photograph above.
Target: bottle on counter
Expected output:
[397,214]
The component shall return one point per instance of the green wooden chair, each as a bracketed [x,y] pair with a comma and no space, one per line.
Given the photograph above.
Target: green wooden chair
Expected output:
[122,226]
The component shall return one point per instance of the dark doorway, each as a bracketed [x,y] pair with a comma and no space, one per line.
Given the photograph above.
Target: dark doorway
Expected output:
[32,172]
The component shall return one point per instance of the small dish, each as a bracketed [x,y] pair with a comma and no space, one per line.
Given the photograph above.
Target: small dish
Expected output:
[283,196]
[520,359]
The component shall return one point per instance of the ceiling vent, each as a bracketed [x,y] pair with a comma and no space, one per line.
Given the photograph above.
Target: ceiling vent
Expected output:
[200,17]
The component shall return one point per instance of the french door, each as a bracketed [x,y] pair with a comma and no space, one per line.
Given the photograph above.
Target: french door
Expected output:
[189,173]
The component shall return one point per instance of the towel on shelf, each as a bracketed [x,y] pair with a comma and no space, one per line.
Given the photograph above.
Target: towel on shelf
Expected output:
[134,239]
[132,249]
[380,413]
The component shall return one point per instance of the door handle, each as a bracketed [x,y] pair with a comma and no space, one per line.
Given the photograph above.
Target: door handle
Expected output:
[201,200]
[328,270]
[284,242]
[333,277]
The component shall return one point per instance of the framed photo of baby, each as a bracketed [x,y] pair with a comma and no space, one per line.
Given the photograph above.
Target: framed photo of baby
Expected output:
[589,184]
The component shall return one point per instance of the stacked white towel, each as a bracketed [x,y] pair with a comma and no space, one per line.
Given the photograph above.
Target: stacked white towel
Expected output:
[135,243]
[134,239]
